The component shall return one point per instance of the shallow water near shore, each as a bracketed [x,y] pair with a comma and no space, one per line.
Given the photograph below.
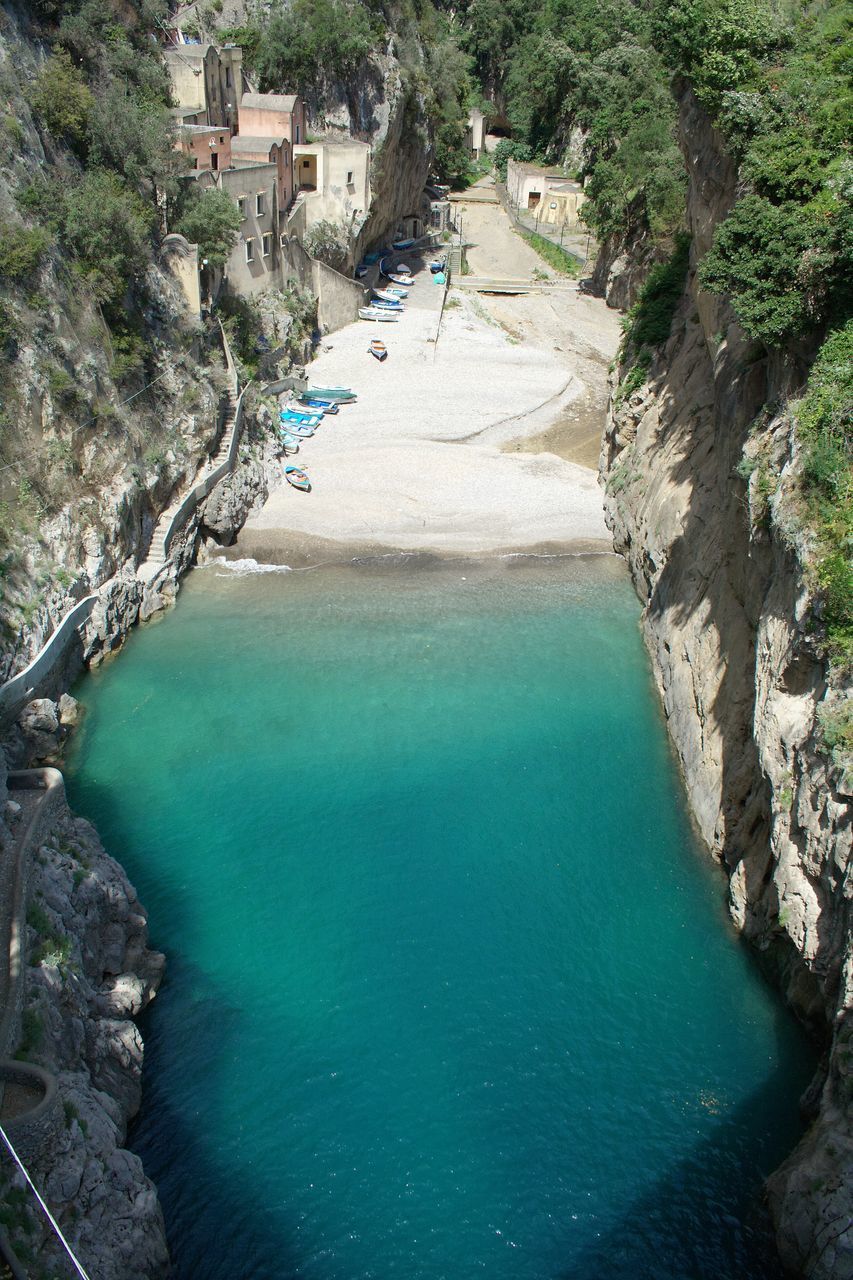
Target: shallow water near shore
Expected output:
[451,989]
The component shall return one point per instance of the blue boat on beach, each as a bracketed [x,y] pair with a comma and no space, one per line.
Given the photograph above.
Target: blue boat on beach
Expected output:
[322,406]
[295,429]
[298,478]
[289,416]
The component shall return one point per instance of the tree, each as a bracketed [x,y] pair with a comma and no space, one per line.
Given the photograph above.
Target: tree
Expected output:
[108,227]
[62,100]
[211,220]
[329,242]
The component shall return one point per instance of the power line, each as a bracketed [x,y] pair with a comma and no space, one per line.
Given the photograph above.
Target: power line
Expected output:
[56,1227]
[83,425]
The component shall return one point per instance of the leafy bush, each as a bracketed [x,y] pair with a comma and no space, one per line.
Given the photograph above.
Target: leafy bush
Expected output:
[108,228]
[649,321]
[777,264]
[209,219]
[21,250]
[328,241]
[825,428]
[333,35]
[62,100]
[507,150]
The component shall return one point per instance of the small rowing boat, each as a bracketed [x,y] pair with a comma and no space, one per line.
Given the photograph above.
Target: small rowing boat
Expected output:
[297,429]
[377,313]
[377,348]
[298,478]
[289,442]
[402,244]
[340,394]
[385,305]
[399,278]
[322,406]
[303,419]
[390,295]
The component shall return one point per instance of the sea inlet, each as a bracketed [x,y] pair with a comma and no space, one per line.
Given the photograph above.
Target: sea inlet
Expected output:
[451,987]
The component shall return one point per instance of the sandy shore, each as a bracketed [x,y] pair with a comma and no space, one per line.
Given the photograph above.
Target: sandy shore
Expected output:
[430,457]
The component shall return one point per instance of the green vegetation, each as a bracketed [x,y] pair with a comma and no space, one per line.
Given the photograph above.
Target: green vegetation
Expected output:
[329,242]
[21,250]
[579,65]
[108,228]
[560,259]
[211,220]
[779,89]
[62,101]
[648,323]
[825,429]
[295,43]
[836,731]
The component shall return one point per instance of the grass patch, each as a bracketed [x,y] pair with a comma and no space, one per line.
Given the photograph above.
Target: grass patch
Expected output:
[565,263]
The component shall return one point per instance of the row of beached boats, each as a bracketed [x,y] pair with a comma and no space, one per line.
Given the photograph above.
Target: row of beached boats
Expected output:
[297,425]
[386,304]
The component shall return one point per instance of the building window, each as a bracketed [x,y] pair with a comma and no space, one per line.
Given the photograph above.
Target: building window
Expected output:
[250,251]
[297,135]
[266,244]
[306,164]
[214,160]
[349,177]
[259,203]
[227,77]
[241,205]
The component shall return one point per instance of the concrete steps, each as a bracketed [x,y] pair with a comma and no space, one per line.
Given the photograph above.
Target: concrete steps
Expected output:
[157,555]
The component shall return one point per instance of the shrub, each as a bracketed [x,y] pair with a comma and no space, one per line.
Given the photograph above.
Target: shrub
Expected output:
[335,35]
[108,228]
[210,219]
[772,262]
[507,150]
[21,250]
[649,321]
[825,427]
[328,241]
[62,100]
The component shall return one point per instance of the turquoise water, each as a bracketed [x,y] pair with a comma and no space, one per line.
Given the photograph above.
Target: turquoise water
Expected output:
[451,990]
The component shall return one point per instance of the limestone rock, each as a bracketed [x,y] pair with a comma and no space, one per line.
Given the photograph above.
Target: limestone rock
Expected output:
[730,629]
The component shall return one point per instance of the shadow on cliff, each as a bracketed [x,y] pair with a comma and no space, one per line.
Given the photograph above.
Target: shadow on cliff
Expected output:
[705,1218]
[720,579]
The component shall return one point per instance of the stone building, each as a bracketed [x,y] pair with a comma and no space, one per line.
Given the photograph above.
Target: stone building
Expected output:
[273,115]
[208,146]
[332,176]
[548,192]
[207,83]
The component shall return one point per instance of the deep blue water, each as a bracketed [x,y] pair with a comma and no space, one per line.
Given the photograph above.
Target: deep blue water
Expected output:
[451,988]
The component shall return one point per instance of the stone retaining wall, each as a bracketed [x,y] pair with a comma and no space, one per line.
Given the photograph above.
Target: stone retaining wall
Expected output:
[53,667]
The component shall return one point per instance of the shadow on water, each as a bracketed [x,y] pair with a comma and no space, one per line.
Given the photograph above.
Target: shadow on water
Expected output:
[705,1219]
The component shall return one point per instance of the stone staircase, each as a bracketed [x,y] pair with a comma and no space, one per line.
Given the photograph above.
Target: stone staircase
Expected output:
[158,550]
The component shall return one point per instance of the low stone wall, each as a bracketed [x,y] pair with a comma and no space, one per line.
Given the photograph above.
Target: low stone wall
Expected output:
[14,884]
[52,669]
[34,1131]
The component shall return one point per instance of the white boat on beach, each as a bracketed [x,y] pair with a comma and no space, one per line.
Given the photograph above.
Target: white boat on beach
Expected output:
[376,313]
[390,295]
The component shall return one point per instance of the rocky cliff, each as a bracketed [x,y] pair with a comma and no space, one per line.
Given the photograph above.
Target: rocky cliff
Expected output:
[89,972]
[700,464]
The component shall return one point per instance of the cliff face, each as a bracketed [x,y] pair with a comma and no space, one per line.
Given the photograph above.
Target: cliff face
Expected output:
[721,566]
[89,973]
[381,107]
